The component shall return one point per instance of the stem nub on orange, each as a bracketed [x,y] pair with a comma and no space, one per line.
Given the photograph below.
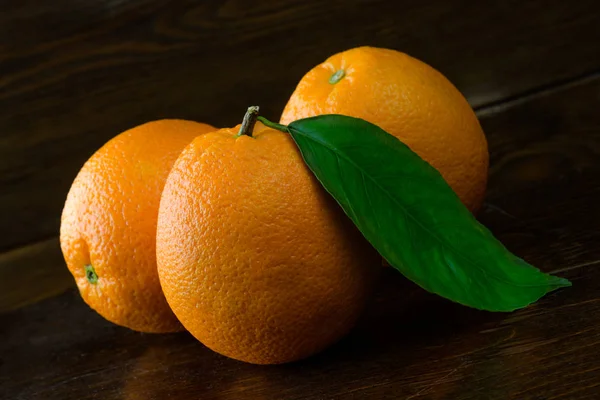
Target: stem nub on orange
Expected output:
[256,260]
[408,99]
[108,225]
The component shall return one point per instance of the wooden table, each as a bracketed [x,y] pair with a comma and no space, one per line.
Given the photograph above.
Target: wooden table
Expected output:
[74,73]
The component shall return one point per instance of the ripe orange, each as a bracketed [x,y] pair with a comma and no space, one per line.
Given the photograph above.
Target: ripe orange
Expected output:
[256,260]
[108,225]
[408,99]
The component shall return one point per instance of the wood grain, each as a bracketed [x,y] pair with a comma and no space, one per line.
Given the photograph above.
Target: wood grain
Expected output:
[409,344]
[75,73]
[32,273]
[542,203]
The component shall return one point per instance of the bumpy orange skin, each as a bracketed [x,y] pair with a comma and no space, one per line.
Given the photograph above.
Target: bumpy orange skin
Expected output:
[256,260]
[109,221]
[408,99]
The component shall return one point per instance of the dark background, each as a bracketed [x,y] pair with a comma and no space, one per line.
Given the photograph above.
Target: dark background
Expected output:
[74,73]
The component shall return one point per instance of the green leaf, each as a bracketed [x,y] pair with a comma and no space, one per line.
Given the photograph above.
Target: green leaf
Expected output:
[404,207]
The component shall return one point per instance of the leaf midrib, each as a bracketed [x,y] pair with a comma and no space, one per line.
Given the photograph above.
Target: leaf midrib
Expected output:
[341,154]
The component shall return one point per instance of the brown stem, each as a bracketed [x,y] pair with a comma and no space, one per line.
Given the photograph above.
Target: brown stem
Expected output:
[249,121]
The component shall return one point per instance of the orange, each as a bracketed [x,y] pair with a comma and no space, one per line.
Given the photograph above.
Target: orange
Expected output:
[108,225]
[408,99]
[256,260]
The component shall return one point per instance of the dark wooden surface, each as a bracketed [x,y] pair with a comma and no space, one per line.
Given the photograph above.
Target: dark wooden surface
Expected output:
[74,73]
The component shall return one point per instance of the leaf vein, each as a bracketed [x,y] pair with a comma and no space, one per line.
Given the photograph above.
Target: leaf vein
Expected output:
[339,154]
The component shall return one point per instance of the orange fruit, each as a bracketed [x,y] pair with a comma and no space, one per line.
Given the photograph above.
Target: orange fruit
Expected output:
[108,224]
[408,99]
[256,260]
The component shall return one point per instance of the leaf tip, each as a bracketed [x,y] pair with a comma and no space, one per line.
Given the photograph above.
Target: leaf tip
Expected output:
[558,282]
